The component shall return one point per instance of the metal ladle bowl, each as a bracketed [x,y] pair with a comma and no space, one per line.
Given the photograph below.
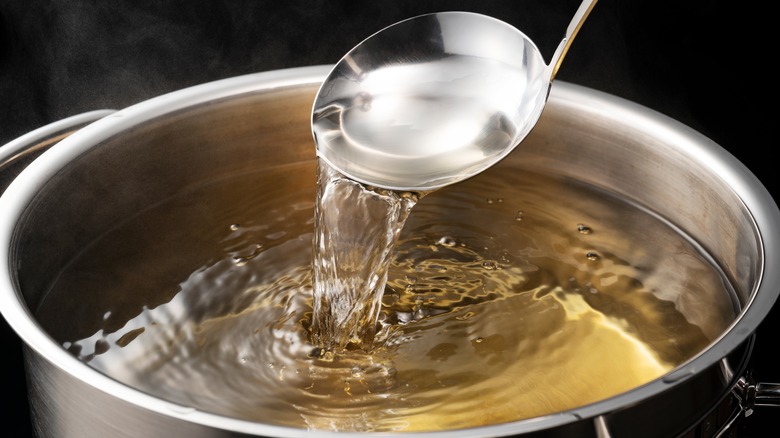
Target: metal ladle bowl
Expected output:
[434,99]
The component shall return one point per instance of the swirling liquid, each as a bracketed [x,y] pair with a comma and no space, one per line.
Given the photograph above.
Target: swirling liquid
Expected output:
[509,296]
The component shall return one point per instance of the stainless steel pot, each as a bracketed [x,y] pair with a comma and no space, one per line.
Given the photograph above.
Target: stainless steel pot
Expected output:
[82,185]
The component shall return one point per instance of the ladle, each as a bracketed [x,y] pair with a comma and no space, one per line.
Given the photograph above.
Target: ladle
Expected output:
[434,99]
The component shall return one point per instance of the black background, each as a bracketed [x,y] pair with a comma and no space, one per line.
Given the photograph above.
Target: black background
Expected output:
[705,63]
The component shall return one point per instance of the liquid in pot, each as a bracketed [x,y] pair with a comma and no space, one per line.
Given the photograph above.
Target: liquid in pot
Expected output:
[510,296]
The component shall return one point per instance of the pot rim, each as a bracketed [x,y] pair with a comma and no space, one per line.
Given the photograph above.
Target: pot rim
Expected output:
[749,189]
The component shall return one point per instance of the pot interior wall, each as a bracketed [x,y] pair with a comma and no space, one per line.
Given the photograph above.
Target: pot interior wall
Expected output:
[145,165]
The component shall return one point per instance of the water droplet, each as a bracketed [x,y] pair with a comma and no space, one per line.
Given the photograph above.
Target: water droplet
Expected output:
[592,256]
[490,200]
[479,340]
[519,215]
[584,229]
[500,200]
[447,241]
[490,265]
[243,260]
[234,227]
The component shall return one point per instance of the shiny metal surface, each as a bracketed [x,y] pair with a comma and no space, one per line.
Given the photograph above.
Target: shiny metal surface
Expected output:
[16,155]
[433,99]
[154,149]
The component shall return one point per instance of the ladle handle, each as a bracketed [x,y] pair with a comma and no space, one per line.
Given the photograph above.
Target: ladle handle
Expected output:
[571,32]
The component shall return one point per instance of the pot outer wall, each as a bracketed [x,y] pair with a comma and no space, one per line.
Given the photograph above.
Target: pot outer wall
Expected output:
[698,61]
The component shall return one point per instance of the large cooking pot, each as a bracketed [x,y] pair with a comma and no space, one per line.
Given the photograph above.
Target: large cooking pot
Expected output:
[90,180]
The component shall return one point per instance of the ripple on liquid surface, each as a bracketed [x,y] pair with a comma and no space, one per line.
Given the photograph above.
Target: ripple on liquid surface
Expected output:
[485,318]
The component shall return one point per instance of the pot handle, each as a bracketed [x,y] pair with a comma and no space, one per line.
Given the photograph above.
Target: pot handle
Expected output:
[746,396]
[17,154]
[757,394]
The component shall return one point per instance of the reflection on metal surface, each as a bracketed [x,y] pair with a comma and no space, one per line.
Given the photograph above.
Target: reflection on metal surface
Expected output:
[433,99]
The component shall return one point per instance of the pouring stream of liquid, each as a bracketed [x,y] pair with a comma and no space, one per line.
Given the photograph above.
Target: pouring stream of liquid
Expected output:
[390,127]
